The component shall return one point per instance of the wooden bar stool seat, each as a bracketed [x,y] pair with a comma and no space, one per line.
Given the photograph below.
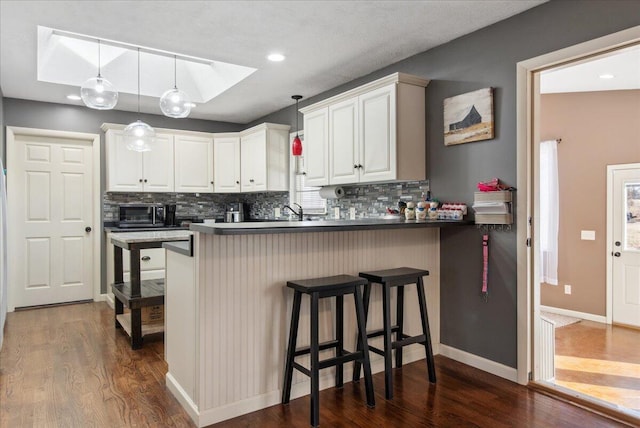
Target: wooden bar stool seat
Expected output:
[319,288]
[398,277]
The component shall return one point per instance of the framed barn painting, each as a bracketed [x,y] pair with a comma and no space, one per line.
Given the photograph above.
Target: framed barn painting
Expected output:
[468,117]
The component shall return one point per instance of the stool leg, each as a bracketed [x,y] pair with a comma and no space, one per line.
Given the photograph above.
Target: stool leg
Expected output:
[315,362]
[431,367]
[339,339]
[291,350]
[366,297]
[400,323]
[386,315]
[362,325]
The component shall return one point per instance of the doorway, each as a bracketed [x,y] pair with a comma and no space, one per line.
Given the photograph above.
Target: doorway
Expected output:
[529,134]
[53,188]
[623,232]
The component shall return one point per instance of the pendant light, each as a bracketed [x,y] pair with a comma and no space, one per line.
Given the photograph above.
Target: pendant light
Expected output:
[97,92]
[296,146]
[138,135]
[174,102]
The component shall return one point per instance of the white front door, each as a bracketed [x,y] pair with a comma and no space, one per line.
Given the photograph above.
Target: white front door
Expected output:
[625,244]
[50,193]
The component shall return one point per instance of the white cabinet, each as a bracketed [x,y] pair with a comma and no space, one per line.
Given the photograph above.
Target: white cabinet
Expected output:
[226,161]
[315,148]
[377,142]
[130,171]
[264,158]
[343,142]
[376,133]
[193,164]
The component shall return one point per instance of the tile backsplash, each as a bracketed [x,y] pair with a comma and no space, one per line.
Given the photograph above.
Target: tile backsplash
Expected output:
[369,200]
[372,200]
[198,205]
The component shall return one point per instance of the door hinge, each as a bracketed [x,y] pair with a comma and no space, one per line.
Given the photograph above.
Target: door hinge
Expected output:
[530,376]
[530,221]
[529,242]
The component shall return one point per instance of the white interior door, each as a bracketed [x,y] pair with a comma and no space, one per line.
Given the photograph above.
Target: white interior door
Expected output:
[50,204]
[625,244]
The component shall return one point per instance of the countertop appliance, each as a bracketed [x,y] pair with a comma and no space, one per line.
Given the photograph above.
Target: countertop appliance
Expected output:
[142,215]
[234,213]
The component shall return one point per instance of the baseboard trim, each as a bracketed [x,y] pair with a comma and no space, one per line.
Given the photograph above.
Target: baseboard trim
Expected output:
[109,299]
[575,314]
[478,362]
[182,397]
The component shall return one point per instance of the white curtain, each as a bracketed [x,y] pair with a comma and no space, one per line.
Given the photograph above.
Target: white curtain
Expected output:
[549,212]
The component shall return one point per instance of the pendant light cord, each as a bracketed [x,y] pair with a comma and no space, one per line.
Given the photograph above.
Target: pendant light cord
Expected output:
[138,81]
[175,72]
[99,58]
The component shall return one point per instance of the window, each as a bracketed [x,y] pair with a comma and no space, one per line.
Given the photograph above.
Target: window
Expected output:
[307,197]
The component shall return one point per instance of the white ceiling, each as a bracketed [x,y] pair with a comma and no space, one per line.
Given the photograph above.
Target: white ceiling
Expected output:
[623,67]
[327,43]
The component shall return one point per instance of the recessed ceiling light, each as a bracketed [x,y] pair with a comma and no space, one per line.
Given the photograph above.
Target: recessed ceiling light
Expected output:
[74,97]
[275,57]
[607,76]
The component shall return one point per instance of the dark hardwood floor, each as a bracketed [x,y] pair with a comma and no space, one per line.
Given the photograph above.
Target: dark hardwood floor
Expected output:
[68,367]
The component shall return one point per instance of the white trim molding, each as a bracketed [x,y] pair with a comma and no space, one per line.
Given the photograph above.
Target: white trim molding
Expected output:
[574,314]
[478,362]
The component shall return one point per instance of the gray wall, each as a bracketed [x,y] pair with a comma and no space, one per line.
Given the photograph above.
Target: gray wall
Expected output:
[486,58]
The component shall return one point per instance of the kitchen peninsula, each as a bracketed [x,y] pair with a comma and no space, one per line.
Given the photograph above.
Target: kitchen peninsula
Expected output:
[227,307]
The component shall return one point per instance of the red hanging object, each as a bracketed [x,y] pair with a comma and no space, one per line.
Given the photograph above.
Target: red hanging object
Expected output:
[296,146]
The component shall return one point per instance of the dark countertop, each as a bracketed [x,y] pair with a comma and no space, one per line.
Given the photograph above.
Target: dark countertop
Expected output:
[271,227]
[117,229]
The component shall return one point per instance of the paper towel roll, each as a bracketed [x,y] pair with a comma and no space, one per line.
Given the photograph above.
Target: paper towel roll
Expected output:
[332,192]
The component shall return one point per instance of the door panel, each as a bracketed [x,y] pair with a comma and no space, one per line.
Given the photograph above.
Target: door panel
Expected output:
[50,195]
[226,159]
[315,149]
[378,134]
[157,165]
[124,166]
[343,142]
[626,246]
[193,164]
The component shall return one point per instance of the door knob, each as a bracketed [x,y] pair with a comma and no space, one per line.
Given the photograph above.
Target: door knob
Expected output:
[617,243]
[87,229]
[616,254]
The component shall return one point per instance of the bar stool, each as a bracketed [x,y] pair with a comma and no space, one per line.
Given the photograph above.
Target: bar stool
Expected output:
[319,288]
[397,278]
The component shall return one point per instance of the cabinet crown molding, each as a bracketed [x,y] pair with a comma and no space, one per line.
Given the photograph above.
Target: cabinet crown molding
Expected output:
[119,127]
[384,81]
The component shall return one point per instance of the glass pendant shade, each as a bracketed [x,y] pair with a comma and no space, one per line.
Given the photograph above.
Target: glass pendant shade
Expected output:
[98,93]
[138,136]
[175,103]
[296,147]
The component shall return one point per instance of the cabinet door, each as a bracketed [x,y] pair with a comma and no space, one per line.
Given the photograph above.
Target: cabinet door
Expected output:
[378,134]
[343,142]
[253,156]
[193,164]
[315,148]
[157,165]
[124,166]
[226,161]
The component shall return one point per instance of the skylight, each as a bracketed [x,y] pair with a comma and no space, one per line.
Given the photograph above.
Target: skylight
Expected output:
[70,59]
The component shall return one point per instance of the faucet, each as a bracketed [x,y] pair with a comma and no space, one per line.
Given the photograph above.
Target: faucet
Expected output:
[299,213]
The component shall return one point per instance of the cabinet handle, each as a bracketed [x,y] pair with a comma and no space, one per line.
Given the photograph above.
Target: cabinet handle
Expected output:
[212,182]
[237,182]
[359,166]
[251,180]
[140,180]
[145,258]
[355,166]
[145,180]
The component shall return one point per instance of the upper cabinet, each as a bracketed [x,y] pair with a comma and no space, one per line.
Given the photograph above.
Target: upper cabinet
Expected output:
[254,160]
[226,157]
[264,158]
[193,164]
[373,133]
[130,171]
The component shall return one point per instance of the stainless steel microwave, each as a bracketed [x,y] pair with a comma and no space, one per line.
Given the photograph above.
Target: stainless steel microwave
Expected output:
[142,215]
